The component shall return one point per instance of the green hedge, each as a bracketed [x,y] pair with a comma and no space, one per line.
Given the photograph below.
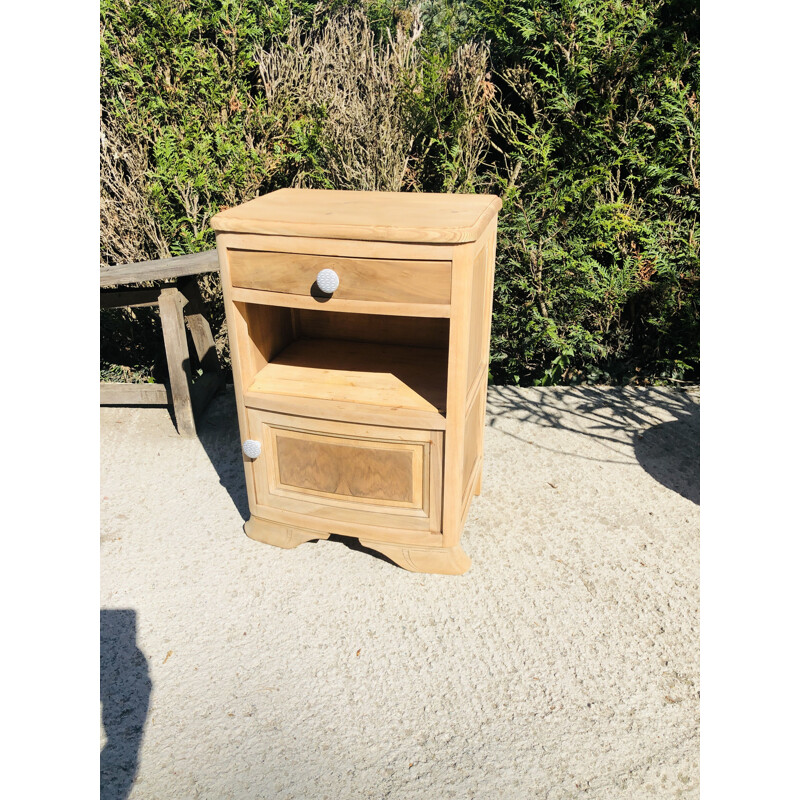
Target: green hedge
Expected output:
[582,114]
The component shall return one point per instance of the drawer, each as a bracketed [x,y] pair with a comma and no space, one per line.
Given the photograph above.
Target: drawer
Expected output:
[374,279]
[347,472]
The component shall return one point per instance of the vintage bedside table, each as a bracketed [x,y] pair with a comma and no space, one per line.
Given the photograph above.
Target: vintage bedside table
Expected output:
[359,337]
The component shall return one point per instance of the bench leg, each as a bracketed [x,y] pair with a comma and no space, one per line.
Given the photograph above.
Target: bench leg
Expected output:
[204,345]
[170,306]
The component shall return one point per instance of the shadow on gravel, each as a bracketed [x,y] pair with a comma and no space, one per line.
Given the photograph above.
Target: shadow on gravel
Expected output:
[218,431]
[668,451]
[125,694]
[351,543]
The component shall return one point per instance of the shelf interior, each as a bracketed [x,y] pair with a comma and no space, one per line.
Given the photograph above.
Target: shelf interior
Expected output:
[344,370]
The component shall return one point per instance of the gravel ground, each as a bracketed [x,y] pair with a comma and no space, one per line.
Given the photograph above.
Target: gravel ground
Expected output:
[564,664]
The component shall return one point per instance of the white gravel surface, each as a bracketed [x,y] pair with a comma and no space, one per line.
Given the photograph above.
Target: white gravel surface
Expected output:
[564,664]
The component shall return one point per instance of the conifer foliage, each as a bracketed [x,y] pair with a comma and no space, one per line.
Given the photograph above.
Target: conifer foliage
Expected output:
[583,115]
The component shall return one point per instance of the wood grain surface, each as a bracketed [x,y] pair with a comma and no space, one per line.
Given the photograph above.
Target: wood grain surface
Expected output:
[378,280]
[358,372]
[368,402]
[368,216]
[316,303]
[336,468]
[377,328]
[343,472]
[161,269]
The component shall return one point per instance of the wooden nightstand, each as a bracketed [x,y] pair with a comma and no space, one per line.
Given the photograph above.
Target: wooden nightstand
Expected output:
[361,407]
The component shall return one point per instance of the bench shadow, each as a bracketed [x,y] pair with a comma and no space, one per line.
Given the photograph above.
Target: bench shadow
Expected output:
[125,694]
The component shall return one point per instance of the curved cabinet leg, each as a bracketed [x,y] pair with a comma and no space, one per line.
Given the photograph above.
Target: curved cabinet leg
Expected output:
[434,560]
[262,530]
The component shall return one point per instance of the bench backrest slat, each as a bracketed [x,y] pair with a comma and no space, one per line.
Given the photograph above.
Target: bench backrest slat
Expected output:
[161,269]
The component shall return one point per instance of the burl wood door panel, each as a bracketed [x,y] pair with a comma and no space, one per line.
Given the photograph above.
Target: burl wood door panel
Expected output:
[348,472]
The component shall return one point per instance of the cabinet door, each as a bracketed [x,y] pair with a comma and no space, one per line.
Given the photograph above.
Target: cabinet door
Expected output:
[340,471]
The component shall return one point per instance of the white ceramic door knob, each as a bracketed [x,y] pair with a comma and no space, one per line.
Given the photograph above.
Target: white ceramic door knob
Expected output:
[328,281]
[251,448]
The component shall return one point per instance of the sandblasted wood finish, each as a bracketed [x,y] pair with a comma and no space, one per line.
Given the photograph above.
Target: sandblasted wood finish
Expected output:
[335,468]
[363,216]
[263,530]
[368,403]
[380,280]
[439,560]
[332,470]
[376,328]
[393,376]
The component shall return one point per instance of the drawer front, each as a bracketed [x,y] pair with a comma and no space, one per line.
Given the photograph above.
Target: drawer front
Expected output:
[375,279]
[347,472]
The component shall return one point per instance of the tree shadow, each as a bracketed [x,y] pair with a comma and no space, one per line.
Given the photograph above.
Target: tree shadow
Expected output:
[125,694]
[612,416]
[668,451]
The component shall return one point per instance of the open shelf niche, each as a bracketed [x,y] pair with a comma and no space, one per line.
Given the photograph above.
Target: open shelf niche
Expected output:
[389,363]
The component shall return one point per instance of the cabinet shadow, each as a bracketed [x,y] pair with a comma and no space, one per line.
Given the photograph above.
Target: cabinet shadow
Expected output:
[218,432]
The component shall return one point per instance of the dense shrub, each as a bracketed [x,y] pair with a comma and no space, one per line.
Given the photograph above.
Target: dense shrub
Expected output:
[582,114]
[600,231]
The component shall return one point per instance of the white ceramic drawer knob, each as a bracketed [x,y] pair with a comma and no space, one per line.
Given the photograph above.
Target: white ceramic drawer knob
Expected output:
[328,281]
[251,448]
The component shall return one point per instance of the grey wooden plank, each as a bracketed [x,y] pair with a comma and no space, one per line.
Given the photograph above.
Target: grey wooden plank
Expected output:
[133,394]
[170,304]
[160,270]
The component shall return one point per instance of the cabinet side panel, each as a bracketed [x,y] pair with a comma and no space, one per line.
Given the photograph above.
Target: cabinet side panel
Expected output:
[270,329]
[486,325]
[473,432]
[461,304]
[250,359]
[240,358]
[477,349]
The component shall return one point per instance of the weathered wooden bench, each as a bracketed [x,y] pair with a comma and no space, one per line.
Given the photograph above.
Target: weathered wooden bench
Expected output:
[179,302]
